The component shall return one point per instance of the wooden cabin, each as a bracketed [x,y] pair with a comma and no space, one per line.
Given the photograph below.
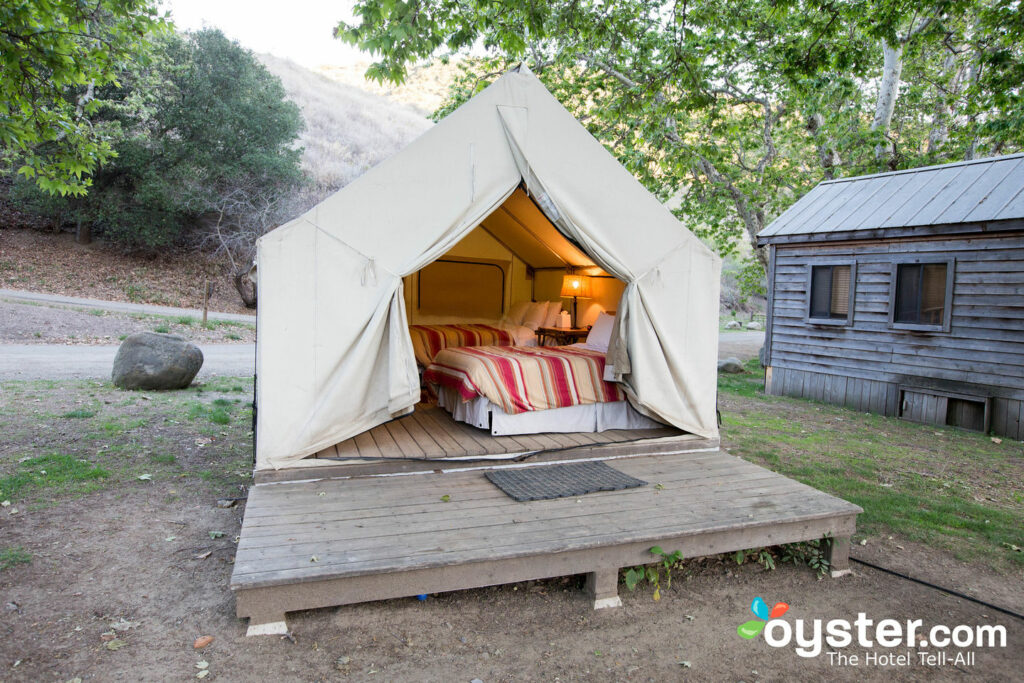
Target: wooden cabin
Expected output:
[903,294]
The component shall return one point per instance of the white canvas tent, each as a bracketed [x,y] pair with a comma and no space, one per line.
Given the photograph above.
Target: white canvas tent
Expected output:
[334,356]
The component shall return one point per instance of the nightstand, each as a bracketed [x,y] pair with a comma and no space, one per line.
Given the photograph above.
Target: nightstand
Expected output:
[560,336]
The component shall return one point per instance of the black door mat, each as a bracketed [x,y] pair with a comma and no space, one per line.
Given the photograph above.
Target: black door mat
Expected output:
[561,481]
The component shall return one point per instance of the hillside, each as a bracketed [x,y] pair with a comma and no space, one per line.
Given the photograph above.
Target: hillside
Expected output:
[424,90]
[348,130]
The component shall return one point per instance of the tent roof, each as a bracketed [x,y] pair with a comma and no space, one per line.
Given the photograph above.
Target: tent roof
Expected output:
[522,228]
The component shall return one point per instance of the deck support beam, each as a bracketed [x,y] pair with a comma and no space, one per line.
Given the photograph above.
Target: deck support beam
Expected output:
[603,588]
[839,557]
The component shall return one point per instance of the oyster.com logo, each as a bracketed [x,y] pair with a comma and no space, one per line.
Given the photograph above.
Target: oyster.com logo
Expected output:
[759,607]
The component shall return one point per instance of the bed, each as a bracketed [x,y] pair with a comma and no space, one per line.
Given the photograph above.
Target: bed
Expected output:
[515,390]
[518,328]
[429,340]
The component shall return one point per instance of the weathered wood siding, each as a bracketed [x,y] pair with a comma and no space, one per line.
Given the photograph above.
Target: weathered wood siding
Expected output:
[864,365]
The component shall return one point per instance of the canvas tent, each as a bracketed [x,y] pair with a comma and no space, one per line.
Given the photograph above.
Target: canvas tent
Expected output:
[334,356]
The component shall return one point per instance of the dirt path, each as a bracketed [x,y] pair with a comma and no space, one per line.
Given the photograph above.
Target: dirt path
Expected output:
[22,323]
[743,345]
[46,361]
[19,296]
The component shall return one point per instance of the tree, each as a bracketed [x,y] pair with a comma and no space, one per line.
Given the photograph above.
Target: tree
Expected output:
[731,108]
[54,54]
[205,147]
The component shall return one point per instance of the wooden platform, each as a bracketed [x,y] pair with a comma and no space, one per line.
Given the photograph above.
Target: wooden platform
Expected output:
[415,442]
[339,541]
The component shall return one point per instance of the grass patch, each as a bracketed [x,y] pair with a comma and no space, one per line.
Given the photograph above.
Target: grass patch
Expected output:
[185,320]
[54,471]
[163,458]
[79,414]
[162,329]
[12,556]
[946,487]
[232,336]
[219,412]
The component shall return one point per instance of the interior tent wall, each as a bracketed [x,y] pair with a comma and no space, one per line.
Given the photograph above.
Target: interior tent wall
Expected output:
[606,294]
[334,356]
[477,245]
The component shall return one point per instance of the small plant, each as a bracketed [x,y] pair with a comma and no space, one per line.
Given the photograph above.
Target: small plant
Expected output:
[814,554]
[232,336]
[12,556]
[98,312]
[122,337]
[37,335]
[763,556]
[185,320]
[652,573]
[162,329]
[209,325]
[79,413]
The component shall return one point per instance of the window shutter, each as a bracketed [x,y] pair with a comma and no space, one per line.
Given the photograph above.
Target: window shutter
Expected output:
[840,291]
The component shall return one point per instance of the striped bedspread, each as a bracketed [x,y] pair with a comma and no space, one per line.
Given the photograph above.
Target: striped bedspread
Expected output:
[428,340]
[520,379]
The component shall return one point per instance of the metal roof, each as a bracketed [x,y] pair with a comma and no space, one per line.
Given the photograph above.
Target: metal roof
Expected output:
[965,192]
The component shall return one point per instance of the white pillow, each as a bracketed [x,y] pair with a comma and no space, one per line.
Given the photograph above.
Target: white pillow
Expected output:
[516,314]
[554,308]
[535,315]
[601,333]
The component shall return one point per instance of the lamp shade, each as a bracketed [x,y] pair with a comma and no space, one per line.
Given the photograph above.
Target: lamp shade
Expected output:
[576,285]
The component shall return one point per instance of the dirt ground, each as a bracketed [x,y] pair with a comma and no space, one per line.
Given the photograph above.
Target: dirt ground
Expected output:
[38,261]
[127,560]
[125,573]
[36,324]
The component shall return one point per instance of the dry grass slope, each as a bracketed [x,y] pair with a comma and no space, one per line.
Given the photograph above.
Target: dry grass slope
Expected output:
[348,130]
[424,89]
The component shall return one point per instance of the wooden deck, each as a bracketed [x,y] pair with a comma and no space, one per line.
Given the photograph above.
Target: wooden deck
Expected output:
[415,442]
[339,541]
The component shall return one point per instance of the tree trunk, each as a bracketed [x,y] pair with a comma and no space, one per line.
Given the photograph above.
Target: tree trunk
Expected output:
[246,288]
[888,90]
[83,232]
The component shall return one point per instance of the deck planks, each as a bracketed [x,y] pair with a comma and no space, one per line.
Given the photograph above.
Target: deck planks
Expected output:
[430,432]
[396,524]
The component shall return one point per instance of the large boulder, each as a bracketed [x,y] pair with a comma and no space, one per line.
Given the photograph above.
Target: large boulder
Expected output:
[754,325]
[150,360]
[730,365]
[734,325]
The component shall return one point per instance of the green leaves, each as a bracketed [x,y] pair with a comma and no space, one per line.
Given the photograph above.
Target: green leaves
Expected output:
[54,55]
[707,103]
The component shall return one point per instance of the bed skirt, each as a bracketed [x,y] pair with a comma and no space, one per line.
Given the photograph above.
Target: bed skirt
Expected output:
[591,417]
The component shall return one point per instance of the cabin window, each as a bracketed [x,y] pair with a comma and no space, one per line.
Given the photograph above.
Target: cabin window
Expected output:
[922,295]
[830,294]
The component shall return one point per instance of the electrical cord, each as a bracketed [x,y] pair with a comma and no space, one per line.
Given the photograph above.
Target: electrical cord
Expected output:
[958,594]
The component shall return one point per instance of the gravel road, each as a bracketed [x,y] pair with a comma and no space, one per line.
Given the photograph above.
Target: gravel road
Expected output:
[51,361]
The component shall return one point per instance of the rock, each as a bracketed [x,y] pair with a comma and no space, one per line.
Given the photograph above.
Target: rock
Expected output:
[730,365]
[733,325]
[754,325]
[150,360]
[201,642]
[226,502]
[760,357]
